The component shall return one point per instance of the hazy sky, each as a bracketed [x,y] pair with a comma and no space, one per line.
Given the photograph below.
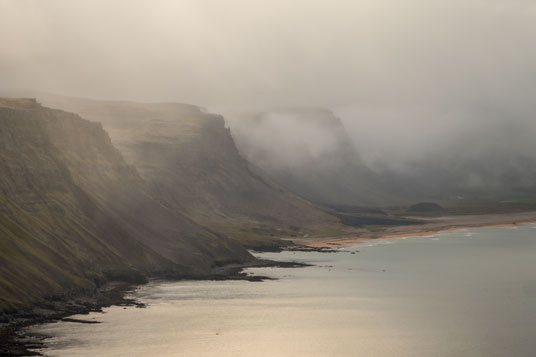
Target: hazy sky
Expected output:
[376,62]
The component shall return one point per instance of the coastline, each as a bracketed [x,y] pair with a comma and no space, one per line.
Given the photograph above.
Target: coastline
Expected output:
[432,226]
[16,341]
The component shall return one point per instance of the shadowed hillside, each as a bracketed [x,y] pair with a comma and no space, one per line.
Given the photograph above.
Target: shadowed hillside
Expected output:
[73,213]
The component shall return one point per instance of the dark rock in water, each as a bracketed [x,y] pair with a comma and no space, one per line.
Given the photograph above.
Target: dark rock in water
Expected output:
[68,319]
[306,248]
[425,207]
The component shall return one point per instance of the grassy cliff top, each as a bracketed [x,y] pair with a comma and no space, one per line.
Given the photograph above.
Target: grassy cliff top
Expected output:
[19,103]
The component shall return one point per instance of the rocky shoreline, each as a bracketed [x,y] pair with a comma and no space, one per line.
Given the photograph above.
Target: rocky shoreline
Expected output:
[16,341]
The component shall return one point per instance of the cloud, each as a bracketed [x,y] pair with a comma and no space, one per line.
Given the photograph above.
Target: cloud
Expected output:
[393,70]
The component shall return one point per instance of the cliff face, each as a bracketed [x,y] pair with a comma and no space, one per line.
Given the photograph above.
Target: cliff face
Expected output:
[309,152]
[73,212]
[190,158]
[315,157]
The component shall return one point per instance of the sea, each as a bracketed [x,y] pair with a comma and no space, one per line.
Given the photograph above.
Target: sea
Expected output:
[469,292]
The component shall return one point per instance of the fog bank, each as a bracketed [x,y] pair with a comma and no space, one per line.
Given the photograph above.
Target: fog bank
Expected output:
[405,77]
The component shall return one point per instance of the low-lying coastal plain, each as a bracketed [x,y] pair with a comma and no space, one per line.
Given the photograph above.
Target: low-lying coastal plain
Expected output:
[430,225]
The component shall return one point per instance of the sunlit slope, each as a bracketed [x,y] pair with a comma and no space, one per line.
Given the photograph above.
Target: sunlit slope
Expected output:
[190,157]
[60,231]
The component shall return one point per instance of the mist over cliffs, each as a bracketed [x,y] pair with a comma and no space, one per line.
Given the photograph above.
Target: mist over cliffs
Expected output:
[130,190]
[191,157]
[308,151]
[312,152]
[493,162]
[147,141]
[406,79]
[73,213]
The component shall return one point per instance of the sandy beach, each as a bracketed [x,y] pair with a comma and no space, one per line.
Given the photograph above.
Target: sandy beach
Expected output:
[432,226]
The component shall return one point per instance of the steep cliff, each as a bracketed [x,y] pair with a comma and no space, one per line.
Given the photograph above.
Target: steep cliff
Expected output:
[190,157]
[309,152]
[73,213]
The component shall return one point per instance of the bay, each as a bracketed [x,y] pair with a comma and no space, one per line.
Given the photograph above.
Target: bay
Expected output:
[459,293]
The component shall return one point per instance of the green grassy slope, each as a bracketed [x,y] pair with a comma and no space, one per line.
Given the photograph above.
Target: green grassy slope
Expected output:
[72,212]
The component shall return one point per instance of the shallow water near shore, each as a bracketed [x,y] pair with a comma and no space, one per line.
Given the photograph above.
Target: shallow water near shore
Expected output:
[460,293]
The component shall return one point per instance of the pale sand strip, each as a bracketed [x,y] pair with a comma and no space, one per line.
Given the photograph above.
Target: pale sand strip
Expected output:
[439,224]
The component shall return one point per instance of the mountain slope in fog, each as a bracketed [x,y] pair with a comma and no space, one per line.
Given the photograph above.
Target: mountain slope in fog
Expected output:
[309,152]
[494,162]
[73,213]
[190,158]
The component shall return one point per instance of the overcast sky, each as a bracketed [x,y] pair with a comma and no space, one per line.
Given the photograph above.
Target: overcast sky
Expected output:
[376,62]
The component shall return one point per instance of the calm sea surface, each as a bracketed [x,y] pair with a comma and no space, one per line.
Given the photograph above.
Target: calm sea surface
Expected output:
[462,293]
